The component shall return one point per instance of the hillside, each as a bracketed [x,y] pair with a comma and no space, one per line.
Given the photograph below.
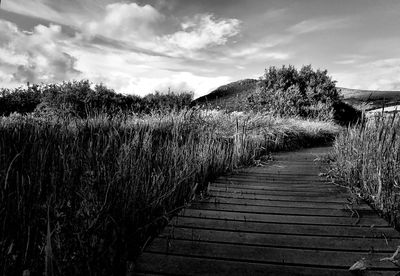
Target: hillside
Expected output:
[370,99]
[232,96]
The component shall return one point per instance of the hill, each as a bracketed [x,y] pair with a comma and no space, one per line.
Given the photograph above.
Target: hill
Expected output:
[370,99]
[232,96]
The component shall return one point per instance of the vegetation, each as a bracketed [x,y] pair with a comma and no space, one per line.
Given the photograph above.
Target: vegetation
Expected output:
[307,93]
[367,161]
[82,99]
[80,196]
[285,91]
[87,175]
[19,100]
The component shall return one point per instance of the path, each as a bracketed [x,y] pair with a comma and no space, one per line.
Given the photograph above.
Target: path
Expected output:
[280,219]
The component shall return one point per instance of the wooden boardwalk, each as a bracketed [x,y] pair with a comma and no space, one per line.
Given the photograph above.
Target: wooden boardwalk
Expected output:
[279,219]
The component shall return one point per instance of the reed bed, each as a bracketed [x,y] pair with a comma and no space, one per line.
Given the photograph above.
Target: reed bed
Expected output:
[366,159]
[82,196]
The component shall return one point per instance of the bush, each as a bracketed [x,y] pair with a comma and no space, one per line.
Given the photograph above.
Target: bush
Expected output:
[166,102]
[81,99]
[19,100]
[307,93]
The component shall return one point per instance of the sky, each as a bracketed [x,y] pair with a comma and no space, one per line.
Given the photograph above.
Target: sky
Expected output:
[138,47]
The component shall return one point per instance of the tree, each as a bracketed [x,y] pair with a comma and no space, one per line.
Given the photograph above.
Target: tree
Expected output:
[287,91]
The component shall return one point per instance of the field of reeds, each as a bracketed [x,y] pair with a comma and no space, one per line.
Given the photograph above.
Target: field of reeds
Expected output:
[82,196]
[366,159]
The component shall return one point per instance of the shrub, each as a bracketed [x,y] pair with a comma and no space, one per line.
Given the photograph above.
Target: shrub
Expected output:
[166,102]
[79,99]
[288,92]
[19,100]
[82,99]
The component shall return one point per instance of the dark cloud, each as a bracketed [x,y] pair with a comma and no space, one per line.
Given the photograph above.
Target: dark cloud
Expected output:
[58,69]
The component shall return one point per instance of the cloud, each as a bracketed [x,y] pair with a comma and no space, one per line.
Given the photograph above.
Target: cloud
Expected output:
[177,82]
[381,74]
[140,56]
[183,81]
[259,52]
[37,56]
[48,55]
[317,24]
[265,49]
[38,9]
[345,61]
[269,47]
[125,21]
[384,74]
[351,59]
[144,27]
[203,31]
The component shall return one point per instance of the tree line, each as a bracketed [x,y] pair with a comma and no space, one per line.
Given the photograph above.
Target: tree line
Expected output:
[82,99]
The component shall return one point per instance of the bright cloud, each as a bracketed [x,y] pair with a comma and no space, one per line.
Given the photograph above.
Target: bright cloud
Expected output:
[46,54]
[259,52]
[140,26]
[183,81]
[126,22]
[319,24]
[35,57]
[203,31]
[382,74]
[34,8]
[129,72]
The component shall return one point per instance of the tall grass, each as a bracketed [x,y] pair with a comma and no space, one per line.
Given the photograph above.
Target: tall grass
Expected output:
[81,196]
[367,160]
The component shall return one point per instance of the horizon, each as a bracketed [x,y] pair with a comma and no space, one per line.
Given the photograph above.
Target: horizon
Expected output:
[138,47]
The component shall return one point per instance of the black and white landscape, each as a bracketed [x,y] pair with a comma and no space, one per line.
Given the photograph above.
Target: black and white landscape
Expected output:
[183,137]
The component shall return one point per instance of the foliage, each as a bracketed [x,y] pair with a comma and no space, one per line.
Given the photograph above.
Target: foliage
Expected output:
[165,102]
[82,99]
[287,91]
[19,100]
[367,160]
[81,196]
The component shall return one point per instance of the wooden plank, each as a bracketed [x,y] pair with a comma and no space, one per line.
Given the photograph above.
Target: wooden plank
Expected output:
[279,197]
[309,193]
[283,170]
[282,203]
[220,196]
[280,218]
[275,178]
[295,182]
[337,259]
[385,233]
[277,187]
[281,210]
[280,240]
[274,183]
[186,265]
[277,173]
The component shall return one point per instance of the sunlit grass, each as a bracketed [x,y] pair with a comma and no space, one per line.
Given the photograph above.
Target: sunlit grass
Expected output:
[367,160]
